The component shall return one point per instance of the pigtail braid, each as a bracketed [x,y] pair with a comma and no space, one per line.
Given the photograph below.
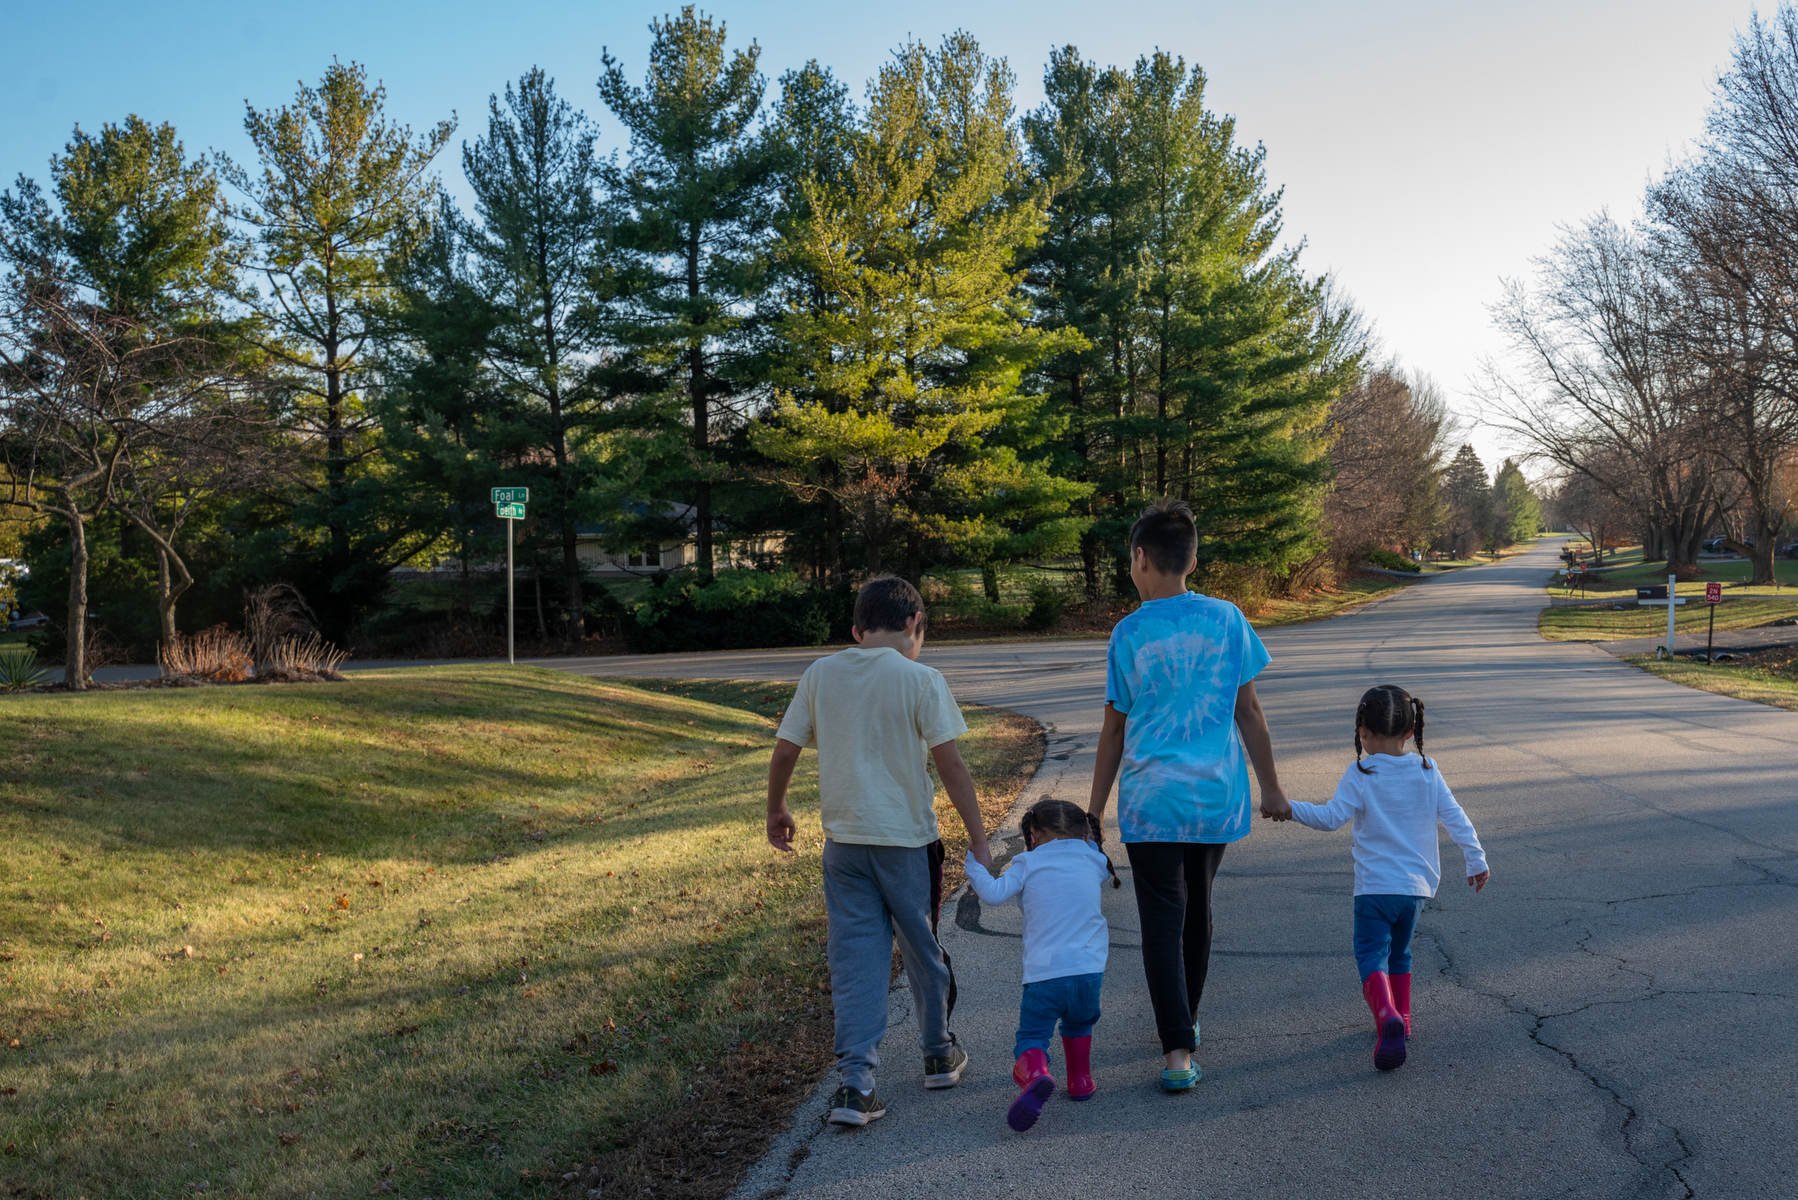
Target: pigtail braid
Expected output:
[1417,730]
[1360,720]
[1096,831]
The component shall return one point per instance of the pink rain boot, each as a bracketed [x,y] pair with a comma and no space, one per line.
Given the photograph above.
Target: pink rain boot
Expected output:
[1035,1084]
[1389,1027]
[1401,998]
[1079,1053]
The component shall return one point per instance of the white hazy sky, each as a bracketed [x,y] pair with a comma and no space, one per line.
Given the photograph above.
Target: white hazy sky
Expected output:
[1428,148]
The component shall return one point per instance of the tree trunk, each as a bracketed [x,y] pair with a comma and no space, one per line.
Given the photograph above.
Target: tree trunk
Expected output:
[537,591]
[836,569]
[166,596]
[989,582]
[576,626]
[74,673]
[337,466]
[702,420]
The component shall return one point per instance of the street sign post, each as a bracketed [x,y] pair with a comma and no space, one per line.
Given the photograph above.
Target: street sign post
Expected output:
[1713,596]
[508,506]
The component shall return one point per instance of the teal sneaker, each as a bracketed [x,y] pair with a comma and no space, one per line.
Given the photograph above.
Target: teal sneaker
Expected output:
[1180,1080]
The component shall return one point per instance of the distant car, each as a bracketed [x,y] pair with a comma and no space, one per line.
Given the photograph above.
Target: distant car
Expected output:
[1712,545]
[28,621]
[1789,550]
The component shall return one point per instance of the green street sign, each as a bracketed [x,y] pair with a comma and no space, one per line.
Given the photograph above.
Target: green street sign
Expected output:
[511,512]
[511,495]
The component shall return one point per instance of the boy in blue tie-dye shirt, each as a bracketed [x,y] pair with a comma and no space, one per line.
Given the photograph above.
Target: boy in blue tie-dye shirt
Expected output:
[1183,724]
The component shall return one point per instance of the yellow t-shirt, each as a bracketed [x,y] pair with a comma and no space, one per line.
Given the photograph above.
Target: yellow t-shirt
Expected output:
[873,714]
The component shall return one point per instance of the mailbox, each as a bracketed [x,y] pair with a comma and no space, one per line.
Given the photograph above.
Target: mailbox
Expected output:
[1657,592]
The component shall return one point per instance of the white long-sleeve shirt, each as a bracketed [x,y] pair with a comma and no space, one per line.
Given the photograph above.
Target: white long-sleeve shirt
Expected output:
[1395,811]
[1058,886]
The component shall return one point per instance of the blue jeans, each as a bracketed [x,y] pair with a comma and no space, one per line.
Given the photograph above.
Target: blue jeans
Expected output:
[1383,928]
[1073,1000]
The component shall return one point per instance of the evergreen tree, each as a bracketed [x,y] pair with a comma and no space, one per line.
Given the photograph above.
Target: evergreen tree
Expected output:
[535,256]
[917,421]
[1219,356]
[695,195]
[447,431]
[1516,511]
[809,137]
[1467,497]
[338,195]
[1083,279]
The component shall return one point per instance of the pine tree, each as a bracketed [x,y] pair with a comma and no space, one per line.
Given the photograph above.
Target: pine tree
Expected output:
[1468,498]
[1516,511]
[1083,279]
[535,256]
[694,195]
[1219,356]
[809,138]
[916,420]
[447,432]
[338,195]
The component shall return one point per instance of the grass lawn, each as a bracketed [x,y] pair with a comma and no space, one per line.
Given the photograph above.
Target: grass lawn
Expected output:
[442,932]
[1584,623]
[1350,593]
[1625,571]
[1769,678]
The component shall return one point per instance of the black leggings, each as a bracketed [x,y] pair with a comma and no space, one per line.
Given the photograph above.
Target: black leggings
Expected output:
[1173,899]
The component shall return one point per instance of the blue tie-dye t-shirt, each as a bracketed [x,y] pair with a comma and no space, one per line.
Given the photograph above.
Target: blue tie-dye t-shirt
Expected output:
[1174,669]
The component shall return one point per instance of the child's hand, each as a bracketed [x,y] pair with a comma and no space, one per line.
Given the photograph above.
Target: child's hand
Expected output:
[1478,882]
[781,829]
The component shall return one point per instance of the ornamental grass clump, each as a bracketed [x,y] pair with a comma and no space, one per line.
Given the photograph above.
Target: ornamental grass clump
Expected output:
[216,655]
[299,659]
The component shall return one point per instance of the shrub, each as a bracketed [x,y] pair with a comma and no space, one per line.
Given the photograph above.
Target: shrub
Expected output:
[1392,561]
[1048,604]
[734,610]
[19,671]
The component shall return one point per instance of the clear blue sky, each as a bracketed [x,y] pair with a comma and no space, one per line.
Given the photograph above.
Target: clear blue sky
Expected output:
[1427,149]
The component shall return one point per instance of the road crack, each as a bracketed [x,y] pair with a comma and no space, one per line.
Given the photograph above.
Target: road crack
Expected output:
[1656,1146]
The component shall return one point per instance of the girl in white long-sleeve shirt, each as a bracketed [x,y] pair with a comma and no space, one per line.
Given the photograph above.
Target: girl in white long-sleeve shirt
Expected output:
[1056,882]
[1395,801]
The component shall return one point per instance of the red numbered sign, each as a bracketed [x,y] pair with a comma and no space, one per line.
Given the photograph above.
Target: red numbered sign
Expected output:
[1713,593]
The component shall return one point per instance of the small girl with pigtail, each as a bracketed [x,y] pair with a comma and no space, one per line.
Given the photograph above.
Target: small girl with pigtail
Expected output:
[1395,801]
[1056,881]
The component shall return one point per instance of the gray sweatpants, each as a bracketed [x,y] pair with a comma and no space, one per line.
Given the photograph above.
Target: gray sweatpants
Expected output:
[873,894]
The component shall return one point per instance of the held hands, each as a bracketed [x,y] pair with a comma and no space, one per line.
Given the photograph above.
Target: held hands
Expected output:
[1274,806]
[1478,882]
[781,829]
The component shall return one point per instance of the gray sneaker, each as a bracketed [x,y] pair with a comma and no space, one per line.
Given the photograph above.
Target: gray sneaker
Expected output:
[944,1070]
[850,1107]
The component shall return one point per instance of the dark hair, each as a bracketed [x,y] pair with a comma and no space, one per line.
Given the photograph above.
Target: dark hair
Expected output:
[1062,819]
[1167,533]
[1389,711]
[886,602]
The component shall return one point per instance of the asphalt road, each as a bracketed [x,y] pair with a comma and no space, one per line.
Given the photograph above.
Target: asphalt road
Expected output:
[1613,1017]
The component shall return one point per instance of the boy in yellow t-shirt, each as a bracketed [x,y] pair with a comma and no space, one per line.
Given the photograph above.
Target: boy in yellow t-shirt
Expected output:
[872,711]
